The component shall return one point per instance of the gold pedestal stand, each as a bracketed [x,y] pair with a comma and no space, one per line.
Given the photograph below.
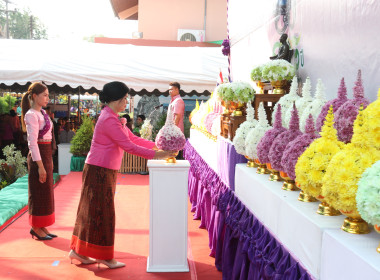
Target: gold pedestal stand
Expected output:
[279,86]
[377,228]
[304,197]
[326,210]
[274,174]
[354,223]
[289,184]
[261,169]
[251,163]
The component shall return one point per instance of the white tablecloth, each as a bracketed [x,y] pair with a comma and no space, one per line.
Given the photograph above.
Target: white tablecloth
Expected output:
[307,235]
[206,148]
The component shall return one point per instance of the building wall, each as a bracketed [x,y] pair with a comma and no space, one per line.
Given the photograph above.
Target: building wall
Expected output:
[160,20]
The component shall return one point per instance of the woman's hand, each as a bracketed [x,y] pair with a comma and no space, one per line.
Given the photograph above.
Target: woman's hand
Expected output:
[42,174]
[165,154]
[155,148]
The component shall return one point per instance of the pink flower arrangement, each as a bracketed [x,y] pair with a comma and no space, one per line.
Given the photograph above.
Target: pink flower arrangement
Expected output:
[170,136]
[279,144]
[346,114]
[296,148]
[266,142]
[336,103]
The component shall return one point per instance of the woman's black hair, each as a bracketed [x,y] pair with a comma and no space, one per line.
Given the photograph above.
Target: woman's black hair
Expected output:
[113,91]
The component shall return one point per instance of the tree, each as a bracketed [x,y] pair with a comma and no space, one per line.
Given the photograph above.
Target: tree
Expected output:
[22,24]
[81,142]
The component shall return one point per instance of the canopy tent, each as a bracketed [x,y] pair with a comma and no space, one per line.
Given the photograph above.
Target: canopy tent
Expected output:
[82,66]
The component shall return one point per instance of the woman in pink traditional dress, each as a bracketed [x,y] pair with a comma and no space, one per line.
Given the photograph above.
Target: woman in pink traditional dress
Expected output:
[38,126]
[94,232]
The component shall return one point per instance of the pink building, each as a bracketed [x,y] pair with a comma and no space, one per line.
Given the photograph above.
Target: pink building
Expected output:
[186,20]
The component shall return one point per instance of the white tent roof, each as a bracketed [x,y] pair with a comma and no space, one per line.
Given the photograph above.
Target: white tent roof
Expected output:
[92,65]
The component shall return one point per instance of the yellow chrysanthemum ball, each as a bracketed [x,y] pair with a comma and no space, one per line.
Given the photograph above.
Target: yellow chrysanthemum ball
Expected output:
[346,167]
[311,165]
[208,110]
[371,116]
[195,110]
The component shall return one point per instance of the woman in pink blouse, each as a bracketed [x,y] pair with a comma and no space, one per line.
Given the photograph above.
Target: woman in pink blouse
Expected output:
[38,126]
[94,231]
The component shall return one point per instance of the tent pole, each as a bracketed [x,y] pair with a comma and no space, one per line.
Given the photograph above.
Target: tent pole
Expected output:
[79,106]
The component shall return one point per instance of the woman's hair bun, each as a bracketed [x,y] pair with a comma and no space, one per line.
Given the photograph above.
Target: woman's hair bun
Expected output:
[113,91]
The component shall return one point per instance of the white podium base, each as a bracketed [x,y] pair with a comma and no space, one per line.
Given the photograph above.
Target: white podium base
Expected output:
[64,158]
[167,268]
[168,216]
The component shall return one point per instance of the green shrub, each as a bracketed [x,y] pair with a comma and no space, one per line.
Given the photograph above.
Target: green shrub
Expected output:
[81,142]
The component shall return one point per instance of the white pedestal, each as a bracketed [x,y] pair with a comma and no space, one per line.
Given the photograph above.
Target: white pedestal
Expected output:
[64,158]
[168,216]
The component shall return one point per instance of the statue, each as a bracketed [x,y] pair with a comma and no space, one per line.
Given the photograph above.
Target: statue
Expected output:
[284,52]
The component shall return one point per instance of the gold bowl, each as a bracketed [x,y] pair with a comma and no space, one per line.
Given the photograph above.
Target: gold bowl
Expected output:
[304,197]
[377,229]
[325,209]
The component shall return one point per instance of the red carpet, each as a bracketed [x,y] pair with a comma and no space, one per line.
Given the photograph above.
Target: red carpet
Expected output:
[21,257]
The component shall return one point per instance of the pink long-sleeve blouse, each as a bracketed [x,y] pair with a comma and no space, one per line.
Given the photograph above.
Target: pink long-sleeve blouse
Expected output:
[34,121]
[111,138]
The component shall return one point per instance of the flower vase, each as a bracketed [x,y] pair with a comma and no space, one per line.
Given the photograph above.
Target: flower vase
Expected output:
[377,228]
[260,85]
[274,174]
[304,197]
[261,168]
[279,86]
[251,163]
[325,209]
[289,184]
[354,223]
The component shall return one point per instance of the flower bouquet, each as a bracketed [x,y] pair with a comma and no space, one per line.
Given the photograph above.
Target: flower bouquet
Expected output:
[198,115]
[170,136]
[343,173]
[346,114]
[335,103]
[254,136]
[368,196]
[243,129]
[287,100]
[314,108]
[278,147]
[257,73]
[301,103]
[312,164]
[146,130]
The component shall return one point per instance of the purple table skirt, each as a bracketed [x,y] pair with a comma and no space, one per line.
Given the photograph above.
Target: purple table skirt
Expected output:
[227,160]
[243,248]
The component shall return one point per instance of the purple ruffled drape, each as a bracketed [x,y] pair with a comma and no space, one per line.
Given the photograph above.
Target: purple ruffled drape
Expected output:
[243,248]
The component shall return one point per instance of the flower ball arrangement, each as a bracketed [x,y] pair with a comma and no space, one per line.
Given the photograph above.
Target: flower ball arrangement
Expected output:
[372,122]
[347,113]
[278,70]
[312,164]
[196,119]
[170,136]
[301,103]
[255,134]
[346,167]
[287,100]
[216,127]
[296,148]
[266,141]
[244,128]
[335,103]
[314,108]
[146,130]
[368,195]
[279,144]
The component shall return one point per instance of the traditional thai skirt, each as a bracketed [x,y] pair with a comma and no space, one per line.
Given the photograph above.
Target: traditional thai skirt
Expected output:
[41,195]
[94,231]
